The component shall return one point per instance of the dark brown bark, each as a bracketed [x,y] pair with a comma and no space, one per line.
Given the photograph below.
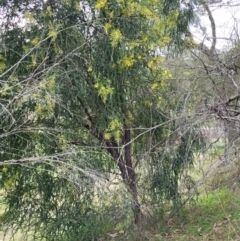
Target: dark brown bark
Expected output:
[131,175]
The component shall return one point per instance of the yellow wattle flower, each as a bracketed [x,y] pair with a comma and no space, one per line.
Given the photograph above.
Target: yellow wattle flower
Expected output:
[115,37]
[107,136]
[100,4]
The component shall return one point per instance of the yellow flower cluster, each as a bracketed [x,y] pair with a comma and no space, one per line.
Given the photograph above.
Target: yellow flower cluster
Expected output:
[2,67]
[163,41]
[104,91]
[153,63]
[49,11]
[191,43]
[129,9]
[51,82]
[158,84]
[53,30]
[90,69]
[115,37]
[2,64]
[5,89]
[25,48]
[53,34]
[107,27]
[100,4]
[146,12]
[117,135]
[115,130]
[35,41]
[10,183]
[134,44]
[46,108]
[29,17]
[129,118]
[34,60]
[153,1]
[127,61]
[150,64]
[148,103]
[159,100]
[13,78]
[107,136]
[57,49]
[115,124]
[110,14]
[171,20]
[62,140]
[166,74]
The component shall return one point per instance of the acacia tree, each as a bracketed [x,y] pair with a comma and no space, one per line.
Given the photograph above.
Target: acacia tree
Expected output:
[99,87]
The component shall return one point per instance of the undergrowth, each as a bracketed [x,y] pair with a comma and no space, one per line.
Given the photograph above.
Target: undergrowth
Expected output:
[214,215]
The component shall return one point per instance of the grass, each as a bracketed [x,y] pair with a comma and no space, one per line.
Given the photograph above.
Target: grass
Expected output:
[213,216]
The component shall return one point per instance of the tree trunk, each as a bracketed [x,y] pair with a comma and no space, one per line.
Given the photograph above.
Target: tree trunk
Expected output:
[233,141]
[125,165]
[131,177]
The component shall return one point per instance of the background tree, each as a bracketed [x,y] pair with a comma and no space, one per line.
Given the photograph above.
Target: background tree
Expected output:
[209,74]
[219,67]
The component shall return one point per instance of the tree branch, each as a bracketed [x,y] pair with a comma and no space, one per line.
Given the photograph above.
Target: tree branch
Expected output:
[213,27]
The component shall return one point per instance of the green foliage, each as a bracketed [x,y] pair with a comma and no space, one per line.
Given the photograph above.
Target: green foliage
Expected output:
[169,166]
[50,203]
